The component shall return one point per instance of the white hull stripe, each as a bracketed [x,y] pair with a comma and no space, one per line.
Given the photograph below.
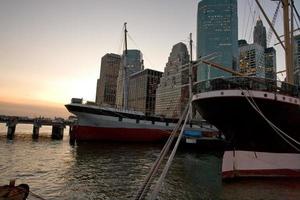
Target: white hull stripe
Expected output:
[247,160]
[253,93]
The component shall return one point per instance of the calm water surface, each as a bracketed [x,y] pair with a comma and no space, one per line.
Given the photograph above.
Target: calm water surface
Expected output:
[56,170]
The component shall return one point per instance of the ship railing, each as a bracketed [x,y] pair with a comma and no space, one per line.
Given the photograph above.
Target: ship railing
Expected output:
[112,108]
[247,83]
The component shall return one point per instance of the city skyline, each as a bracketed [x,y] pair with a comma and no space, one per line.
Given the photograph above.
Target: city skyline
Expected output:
[51,51]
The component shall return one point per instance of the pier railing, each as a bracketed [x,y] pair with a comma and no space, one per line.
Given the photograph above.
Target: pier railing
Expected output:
[247,83]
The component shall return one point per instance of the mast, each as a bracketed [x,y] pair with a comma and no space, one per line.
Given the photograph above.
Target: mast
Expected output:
[288,41]
[190,76]
[125,37]
[292,41]
[125,88]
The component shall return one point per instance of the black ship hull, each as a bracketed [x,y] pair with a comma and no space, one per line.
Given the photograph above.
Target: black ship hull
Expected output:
[244,127]
[256,149]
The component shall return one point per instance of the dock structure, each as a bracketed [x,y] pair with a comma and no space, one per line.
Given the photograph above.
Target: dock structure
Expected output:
[58,125]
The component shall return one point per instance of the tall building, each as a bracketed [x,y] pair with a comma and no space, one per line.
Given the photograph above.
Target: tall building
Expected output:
[173,91]
[252,60]
[259,34]
[142,91]
[217,33]
[130,64]
[107,83]
[270,63]
[256,59]
[297,59]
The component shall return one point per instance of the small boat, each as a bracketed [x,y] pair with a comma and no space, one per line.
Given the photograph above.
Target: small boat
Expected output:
[12,192]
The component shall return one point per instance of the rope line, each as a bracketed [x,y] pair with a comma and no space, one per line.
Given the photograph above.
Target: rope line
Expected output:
[169,162]
[275,128]
[285,134]
[142,191]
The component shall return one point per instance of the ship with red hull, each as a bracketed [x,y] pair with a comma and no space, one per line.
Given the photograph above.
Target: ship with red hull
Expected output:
[108,124]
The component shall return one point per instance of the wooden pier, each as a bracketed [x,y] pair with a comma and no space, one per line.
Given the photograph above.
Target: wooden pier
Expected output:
[58,125]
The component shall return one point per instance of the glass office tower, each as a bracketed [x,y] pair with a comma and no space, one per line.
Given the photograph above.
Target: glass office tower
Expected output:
[217,35]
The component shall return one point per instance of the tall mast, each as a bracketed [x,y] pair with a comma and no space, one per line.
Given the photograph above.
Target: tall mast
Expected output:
[125,88]
[191,75]
[125,37]
[292,40]
[288,41]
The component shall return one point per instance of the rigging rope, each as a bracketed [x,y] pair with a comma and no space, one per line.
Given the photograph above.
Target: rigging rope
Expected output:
[298,16]
[270,31]
[142,191]
[36,196]
[275,128]
[273,124]
[133,41]
[167,166]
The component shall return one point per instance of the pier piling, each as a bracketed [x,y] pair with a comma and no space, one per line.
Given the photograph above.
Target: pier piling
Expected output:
[11,128]
[71,136]
[36,129]
[57,131]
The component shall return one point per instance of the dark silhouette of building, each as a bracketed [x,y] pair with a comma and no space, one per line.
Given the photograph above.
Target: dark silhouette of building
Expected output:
[297,60]
[259,34]
[256,59]
[142,91]
[131,63]
[270,63]
[107,83]
[173,91]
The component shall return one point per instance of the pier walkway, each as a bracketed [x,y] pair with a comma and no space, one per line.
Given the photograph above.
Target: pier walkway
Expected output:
[58,125]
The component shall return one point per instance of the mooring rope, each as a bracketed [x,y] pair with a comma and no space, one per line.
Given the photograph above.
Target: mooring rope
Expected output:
[167,166]
[36,195]
[273,126]
[161,156]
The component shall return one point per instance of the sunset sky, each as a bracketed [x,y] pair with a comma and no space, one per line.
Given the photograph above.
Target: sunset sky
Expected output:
[51,49]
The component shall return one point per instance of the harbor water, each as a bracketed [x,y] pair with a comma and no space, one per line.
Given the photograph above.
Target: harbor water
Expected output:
[57,170]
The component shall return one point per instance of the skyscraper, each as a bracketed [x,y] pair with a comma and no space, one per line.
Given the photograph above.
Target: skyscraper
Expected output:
[173,92]
[142,91]
[217,33]
[107,83]
[252,60]
[297,59]
[270,63]
[259,34]
[133,62]
[256,59]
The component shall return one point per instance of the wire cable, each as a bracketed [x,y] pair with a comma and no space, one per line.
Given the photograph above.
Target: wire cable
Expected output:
[275,128]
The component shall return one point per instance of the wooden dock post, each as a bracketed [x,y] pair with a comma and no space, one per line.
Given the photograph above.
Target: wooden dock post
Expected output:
[11,128]
[71,135]
[36,129]
[57,131]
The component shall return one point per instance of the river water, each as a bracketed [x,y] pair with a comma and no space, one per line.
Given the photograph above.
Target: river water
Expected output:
[57,170]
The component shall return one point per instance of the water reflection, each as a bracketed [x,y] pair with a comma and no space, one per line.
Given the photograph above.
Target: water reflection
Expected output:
[56,170]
